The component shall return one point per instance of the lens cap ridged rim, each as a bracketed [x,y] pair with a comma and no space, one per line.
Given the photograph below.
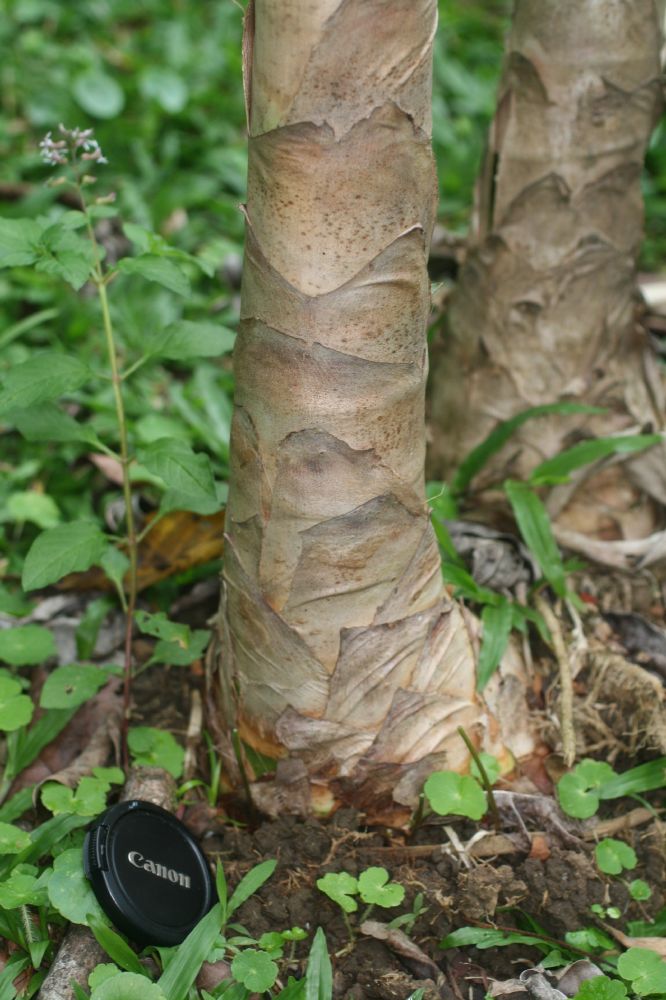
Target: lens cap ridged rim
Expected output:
[160,888]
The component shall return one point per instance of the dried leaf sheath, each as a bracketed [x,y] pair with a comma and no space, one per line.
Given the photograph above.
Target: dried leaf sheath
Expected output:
[544,308]
[339,646]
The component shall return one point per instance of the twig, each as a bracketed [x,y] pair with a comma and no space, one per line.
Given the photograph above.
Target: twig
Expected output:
[566,680]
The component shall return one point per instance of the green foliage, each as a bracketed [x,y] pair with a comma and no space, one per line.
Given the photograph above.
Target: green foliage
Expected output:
[69,890]
[639,890]
[644,969]
[534,524]
[15,708]
[73,684]
[601,988]
[25,645]
[482,938]
[491,766]
[178,644]
[319,974]
[64,549]
[254,969]
[580,791]
[589,939]
[341,887]
[90,796]
[127,986]
[374,887]
[455,794]
[156,748]
[613,856]
[249,884]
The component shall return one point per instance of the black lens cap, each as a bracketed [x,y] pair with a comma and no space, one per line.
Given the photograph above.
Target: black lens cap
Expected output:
[148,873]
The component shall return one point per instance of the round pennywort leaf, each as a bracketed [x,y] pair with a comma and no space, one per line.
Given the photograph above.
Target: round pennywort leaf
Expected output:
[455,794]
[614,855]
[374,887]
[254,969]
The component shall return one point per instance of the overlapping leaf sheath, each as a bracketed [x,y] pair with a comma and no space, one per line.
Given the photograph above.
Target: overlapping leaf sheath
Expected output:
[545,306]
[340,650]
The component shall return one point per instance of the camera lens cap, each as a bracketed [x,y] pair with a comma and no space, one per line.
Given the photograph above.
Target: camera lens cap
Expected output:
[148,873]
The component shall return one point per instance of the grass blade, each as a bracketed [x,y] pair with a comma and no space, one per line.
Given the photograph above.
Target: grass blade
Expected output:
[115,947]
[534,525]
[559,468]
[644,778]
[472,464]
[497,623]
[249,884]
[319,975]
[184,967]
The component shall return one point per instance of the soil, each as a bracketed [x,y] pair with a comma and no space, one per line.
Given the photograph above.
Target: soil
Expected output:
[556,892]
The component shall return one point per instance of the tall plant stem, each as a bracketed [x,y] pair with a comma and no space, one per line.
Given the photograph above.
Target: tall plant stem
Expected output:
[101,280]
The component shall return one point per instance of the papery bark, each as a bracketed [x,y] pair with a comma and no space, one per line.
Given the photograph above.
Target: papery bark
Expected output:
[545,306]
[341,653]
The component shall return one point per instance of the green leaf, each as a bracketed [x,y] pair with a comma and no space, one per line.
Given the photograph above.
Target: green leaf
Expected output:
[340,887]
[455,794]
[559,468]
[614,855]
[26,644]
[467,585]
[16,708]
[483,938]
[445,542]
[319,973]
[579,792]
[13,602]
[643,778]
[254,969]
[23,888]
[101,973]
[18,240]
[158,269]
[73,684]
[250,882]
[441,501]
[87,631]
[31,742]
[222,890]
[534,525]
[477,458]
[98,94]
[374,887]
[48,423]
[115,564]
[160,626]
[128,986]
[89,800]
[184,967]
[165,86]
[12,839]
[55,553]
[644,969]
[115,947]
[589,939]
[601,988]
[639,890]
[497,621]
[186,340]
[16,805]
[187,476]
[180,655]
[44,377]
[156,748]
[37,508]
[70,891]
[491,766]
[65,254]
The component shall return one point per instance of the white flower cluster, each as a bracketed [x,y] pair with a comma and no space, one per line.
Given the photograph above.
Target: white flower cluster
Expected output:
[56,152]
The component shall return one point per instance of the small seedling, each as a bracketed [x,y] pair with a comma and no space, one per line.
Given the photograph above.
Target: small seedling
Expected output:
[614,855]
[372,885]
[639,890]
[455,794]
[611,912]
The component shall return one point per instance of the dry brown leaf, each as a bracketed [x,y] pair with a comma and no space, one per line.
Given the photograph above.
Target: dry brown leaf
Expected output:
[656,944]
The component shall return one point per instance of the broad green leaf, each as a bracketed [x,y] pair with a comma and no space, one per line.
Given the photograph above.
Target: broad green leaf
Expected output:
[70,891]
[161,627]
[534,525]
[24,887]
[248,885]
[98,93]
[497,621]
[340,887]
[65,549]
[477,458]
[374,887]
[179,654]
[18,240]
[164,86]
[491,766]
[16,708]
[72,685]
[187,476]
[65,254]
[184,967]
[186,340]
[115,947]
[161,270]
[89,799]
[156,748]
[589,939]
[37,508]
[614,855]
[639,890]
[47,423]
[13,602]
[601,988]
[12,839]
[26,644]
[455,794]
[153,426]
[483,938]
[128,986]
[40,379]
[559,468]
[101,973]
[576,797]
[644,969]
[319,973]
[254,969]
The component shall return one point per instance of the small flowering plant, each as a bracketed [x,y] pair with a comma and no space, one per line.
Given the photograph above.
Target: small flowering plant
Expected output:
[65,244]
